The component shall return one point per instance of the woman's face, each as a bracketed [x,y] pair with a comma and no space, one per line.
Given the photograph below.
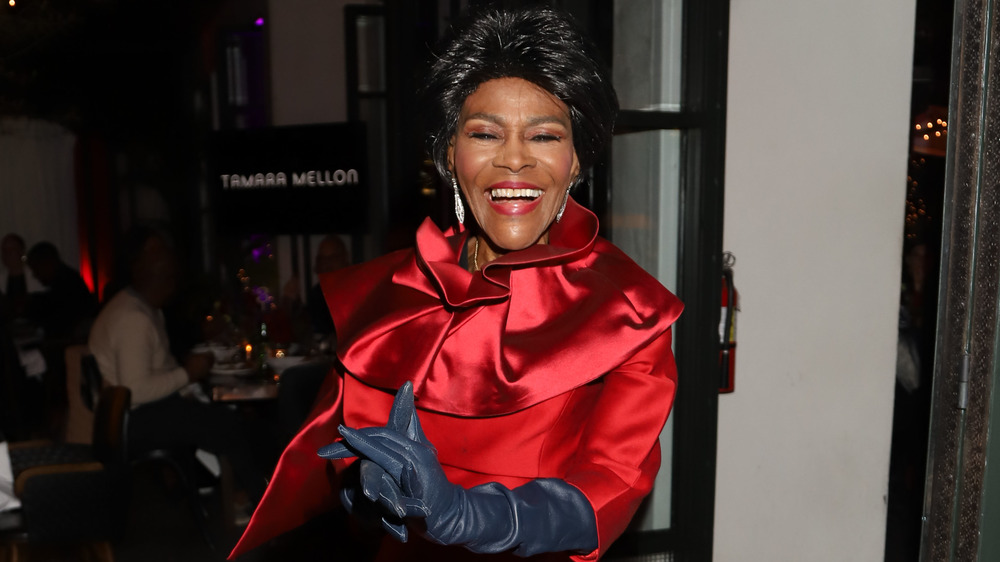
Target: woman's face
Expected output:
[513,156]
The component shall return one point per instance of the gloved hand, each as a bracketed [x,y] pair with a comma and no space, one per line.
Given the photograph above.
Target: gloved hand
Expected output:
[386,500]
[544,515]
[371,514]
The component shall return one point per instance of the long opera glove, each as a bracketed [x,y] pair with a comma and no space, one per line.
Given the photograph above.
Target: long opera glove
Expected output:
[544,515]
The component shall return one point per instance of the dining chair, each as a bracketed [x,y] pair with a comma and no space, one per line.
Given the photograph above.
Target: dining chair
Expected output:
[73,494]
[15,411]
[80,398]
[181,464]
[300,385]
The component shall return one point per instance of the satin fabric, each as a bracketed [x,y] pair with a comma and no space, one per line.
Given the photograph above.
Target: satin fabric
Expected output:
[553,361]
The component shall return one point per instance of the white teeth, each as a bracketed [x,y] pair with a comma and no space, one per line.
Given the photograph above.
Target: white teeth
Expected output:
[505,193]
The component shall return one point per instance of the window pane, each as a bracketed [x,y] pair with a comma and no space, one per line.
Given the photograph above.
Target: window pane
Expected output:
[645,216]
[646,61]
[371,58]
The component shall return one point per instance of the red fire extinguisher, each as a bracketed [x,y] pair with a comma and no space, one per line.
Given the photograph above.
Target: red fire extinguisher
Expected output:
[727,326]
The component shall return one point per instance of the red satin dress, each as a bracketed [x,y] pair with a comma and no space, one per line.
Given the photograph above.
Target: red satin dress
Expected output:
[553,362]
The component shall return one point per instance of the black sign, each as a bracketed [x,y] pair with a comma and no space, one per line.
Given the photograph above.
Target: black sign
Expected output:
[294,180]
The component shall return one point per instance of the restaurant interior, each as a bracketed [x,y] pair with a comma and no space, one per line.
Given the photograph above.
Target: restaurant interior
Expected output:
[164,116]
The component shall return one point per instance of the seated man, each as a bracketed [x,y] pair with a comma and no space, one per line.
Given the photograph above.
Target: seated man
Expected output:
[129,342]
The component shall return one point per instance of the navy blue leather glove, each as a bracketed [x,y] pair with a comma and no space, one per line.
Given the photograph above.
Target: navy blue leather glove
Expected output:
[384,499]
[371,513]
[544,515]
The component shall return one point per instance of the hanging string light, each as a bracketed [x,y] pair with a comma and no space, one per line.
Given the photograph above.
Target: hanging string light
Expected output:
[931,132]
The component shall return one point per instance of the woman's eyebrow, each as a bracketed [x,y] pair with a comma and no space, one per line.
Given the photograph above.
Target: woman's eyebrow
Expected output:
[486,117]
[545,119]
[539,120]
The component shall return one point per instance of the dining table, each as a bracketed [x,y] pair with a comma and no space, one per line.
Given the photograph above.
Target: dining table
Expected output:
[227,389]
[243,382]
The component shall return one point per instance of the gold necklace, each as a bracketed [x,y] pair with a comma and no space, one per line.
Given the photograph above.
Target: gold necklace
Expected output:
[475,256]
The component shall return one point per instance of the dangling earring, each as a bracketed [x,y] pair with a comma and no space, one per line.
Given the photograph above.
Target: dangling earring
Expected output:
[459,208]
[563,208]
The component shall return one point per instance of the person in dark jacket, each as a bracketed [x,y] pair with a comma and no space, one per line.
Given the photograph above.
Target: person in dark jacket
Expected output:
[66,307]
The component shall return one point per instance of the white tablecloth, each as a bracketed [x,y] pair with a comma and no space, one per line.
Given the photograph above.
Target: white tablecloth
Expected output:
[33,362]
[7,499]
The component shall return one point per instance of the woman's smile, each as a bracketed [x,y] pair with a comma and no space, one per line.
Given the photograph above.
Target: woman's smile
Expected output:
[514,198]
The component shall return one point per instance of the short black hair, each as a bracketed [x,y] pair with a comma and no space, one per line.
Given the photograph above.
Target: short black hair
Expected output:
[132,244]
[43,252]
[539,45]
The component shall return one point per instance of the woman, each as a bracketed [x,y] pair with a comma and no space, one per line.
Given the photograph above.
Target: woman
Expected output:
[532,357]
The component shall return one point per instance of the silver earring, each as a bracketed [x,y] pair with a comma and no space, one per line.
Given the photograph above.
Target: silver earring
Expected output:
[459,208]
[563,208]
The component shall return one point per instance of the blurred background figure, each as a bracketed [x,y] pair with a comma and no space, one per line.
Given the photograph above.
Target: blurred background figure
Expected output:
[65,309]
[59,316]
[331,255]
[314,325]
[15,283]
[130,343]
[133,243]
[22,396]
[311,317]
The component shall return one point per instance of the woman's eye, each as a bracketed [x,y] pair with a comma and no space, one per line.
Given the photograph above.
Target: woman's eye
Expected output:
[545,137]
[482,136]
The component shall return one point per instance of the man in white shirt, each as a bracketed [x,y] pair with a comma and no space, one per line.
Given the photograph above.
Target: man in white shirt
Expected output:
[129,341]
[129,337]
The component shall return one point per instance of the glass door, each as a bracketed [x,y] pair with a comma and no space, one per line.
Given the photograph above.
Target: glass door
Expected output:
[664,209]
[645,165]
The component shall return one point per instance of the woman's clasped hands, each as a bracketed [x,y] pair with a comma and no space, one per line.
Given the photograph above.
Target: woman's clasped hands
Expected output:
[401,479]
[388,456]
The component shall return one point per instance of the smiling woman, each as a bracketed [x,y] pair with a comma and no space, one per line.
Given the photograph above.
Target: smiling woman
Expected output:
[532,358]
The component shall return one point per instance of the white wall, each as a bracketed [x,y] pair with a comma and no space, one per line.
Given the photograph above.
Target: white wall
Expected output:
[308,70]
[37,186]
[815,185]
[306,43]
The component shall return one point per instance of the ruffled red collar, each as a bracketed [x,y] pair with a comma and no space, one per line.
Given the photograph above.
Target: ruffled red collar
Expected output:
[533,324]
[438,256]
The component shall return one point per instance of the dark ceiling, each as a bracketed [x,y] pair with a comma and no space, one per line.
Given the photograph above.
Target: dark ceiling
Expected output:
[109,67]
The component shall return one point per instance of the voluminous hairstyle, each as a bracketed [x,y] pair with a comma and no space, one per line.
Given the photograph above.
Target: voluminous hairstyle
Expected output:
[541,46]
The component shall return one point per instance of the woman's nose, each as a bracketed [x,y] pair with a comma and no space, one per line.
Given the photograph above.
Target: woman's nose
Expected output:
[514,155]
